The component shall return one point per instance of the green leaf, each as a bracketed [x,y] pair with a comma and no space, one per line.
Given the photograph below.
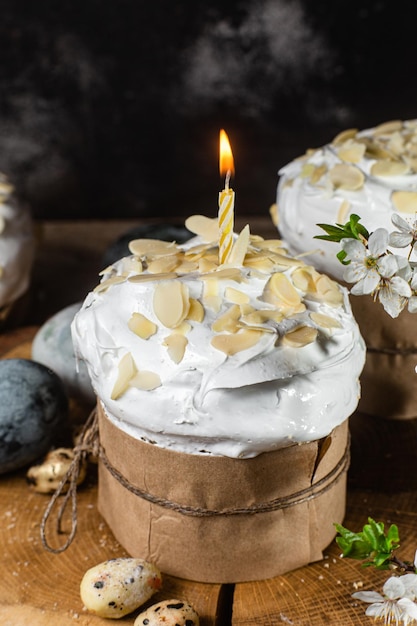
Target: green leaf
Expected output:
[351,230]
[353,545]
[393,537]
[342,256]
[371,543]
[356,228]
[381,561]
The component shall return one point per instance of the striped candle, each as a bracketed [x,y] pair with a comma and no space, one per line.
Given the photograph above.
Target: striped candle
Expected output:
[226,200]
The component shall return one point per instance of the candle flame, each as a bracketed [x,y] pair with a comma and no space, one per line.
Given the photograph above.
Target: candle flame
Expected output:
[227,167]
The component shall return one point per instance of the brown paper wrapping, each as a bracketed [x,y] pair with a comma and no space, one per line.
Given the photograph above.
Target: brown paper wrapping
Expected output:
[217,547]
[388,380]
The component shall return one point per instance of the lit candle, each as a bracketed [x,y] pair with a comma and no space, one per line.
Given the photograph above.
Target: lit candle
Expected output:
[226,200]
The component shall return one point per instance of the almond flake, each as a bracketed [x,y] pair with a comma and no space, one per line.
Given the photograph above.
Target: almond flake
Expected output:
[344,136]
[211,286]
[344,176]
[245,309]
[405,201]
[227,321]
[211,297]
[196,311]
[207,228]
[141,326]
[240,248]
[280,291]
[300,337]
[105,284]
[196,252]
[283,261]
[152,247]
[304,279]
[328,291]
[351,151]
[176,344]
[143,278]
[388,127]
[232,344]
[307,170]
[275,245]
[396,143]
[205,266]
[255,240]
[261,316]
[133,265]
[186,267]
[213,302]
[411,162]
[261,263]
[171,303]
[146,380]
[126,370]
[183,328]
[273,212]
[226,273]
[318,173]
[343,211]
[375,150]
[411,150]
[325,321]
[163,264]
[387,167]
[236,296]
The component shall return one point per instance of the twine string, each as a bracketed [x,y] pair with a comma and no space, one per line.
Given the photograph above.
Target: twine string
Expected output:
[299,497]
[392,351]
[88,444]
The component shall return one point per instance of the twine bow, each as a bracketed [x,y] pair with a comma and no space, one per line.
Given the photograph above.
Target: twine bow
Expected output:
[88,444]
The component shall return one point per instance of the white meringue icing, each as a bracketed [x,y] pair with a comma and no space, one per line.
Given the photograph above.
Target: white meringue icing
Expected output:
[267,396]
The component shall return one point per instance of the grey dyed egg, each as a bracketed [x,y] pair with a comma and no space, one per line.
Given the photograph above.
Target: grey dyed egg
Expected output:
[117,587]
[168,613]
[33,412]
[53,347]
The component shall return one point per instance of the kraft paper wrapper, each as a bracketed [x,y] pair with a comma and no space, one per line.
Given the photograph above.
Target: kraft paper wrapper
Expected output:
[223,548]
[388,380]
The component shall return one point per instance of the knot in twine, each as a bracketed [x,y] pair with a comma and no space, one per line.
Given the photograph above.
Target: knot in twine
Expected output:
[88,444]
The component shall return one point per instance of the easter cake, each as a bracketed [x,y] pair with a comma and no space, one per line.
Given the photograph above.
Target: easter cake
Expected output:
[16,250]
[224,391]
[373,174]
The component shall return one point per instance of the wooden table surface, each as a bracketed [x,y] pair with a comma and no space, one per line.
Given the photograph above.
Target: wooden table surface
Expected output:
[39,588]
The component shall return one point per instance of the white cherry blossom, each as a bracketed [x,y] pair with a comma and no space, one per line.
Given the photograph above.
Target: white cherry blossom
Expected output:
[367,263]
[406,234]
[396,604]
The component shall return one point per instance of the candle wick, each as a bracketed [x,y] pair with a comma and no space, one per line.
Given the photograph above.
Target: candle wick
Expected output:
[228,175]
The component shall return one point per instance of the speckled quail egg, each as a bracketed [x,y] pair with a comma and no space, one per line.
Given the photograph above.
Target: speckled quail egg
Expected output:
[117,587]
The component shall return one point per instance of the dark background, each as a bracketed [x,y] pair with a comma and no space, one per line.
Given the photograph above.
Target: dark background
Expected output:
[113,108]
